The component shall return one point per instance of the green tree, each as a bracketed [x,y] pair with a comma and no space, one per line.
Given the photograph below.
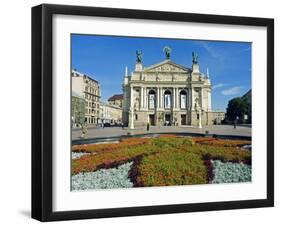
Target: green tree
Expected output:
[237,107]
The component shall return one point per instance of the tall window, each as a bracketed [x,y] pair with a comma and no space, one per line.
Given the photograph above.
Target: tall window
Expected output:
[183,99]
[151,99]
[167,99]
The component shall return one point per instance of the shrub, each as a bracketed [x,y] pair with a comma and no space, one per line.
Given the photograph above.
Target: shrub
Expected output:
[110,158]
[225,154]
[124,143]
[220,142]
[231,172]
[172,167]
[168,136]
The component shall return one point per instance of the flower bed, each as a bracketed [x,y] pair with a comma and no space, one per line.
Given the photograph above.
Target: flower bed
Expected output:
[109,159]
[220,142]
[171,167]
[164,160]
[104,178]
[124,143]
[231,172]
[167,135]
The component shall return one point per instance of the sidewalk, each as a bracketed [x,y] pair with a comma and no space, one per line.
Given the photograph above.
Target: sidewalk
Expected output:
[118,131]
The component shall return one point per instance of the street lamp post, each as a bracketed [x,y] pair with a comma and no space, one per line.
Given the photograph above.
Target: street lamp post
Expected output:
[131,109]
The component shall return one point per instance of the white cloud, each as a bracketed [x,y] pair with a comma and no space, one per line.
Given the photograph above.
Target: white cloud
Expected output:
[232,91]
[219,85]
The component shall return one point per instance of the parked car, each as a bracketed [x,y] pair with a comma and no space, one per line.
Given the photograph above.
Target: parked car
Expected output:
[107,124]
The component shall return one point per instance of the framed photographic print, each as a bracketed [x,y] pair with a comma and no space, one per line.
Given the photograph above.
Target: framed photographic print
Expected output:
[146,112]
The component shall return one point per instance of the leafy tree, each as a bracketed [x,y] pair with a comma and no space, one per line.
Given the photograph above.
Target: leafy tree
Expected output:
[237,107]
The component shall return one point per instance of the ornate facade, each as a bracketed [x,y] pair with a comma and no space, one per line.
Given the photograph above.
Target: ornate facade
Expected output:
[167,94]
[89,89]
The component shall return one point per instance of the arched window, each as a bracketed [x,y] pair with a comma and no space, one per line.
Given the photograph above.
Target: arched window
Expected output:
[151,99]
[183,99]
[167,99]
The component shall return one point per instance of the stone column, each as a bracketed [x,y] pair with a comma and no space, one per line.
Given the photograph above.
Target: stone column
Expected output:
[131,97]
[132,108]
[142,99]
[190,99]
[177,97]
[174,97]
[158,98]
[209,101]
[187,99]
[146,98]
[179,100]
[161,97]
[202,98]
[143,96]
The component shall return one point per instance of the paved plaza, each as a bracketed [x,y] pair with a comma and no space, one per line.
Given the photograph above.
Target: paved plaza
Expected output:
[118,131]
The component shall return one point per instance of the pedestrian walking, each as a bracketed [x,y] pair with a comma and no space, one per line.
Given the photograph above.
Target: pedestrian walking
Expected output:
[235,122]
[147,126]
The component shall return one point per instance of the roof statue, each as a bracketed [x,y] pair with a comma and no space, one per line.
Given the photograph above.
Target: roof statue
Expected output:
[167,50]
[195,58]
[139,56]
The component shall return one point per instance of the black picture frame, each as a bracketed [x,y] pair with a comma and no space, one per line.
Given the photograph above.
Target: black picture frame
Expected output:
[42,111]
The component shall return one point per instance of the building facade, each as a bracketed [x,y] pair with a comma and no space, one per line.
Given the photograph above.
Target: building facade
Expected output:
[167,93]
[218,117]
[111,114]
[89,89]
[116,99]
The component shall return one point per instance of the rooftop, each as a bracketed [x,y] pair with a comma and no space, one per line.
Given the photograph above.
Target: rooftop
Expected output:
[116,97]
[79,74]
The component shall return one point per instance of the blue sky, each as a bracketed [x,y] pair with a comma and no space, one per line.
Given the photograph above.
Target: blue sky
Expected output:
[105,57]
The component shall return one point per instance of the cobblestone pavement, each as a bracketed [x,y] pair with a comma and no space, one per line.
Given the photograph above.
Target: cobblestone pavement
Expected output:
[118,131]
